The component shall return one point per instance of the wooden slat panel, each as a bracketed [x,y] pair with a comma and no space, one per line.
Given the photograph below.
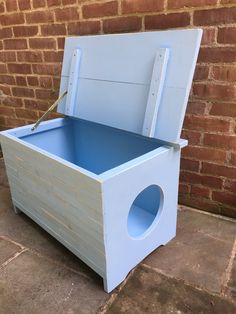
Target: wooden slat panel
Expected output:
[64,200]
[115,75]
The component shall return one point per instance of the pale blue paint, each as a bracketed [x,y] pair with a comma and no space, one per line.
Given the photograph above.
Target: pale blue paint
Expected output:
[92,146]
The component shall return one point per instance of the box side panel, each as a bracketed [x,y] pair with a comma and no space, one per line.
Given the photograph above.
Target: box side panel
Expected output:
[125,247]
[62,200]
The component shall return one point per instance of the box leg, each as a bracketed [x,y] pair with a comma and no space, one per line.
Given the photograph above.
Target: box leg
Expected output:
[16,210]
[113,281]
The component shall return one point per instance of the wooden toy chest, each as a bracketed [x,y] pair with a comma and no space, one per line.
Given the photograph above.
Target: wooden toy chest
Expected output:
[104,179]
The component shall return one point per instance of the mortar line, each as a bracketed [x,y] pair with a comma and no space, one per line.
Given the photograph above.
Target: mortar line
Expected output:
[228,271]
[105,307]
[6,238]
[12,258]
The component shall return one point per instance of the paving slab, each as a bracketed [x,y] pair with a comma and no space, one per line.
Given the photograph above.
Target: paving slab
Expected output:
[232,281]
[150,292]
[33,284]
[200,252]
[25,231]
[7,250]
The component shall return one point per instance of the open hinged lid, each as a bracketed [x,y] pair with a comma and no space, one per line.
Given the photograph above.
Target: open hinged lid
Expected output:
[139,82]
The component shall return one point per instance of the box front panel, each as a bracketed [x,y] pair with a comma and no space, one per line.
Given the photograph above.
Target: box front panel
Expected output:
[64,201]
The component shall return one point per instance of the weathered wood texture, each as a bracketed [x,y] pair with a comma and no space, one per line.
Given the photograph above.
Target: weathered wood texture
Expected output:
[64,201]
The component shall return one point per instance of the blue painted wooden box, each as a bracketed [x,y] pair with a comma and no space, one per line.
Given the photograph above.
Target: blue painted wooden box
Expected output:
[104,179]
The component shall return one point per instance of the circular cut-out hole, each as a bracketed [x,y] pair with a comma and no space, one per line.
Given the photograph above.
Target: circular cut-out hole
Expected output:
[144,210]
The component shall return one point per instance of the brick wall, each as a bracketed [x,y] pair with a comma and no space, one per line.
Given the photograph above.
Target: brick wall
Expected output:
[31,49]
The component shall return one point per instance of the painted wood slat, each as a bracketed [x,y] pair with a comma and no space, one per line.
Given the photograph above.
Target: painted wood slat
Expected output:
[102,60]
[155,92]
[72,83]
[60,236]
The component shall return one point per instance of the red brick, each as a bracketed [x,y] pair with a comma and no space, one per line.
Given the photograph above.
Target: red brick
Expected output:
[227,35]
[224,73]
[67,2]
[45,82]
[228,1]
[36,104]
[224,198]
[39,4]
[220,92]
[217,54]
[215,16]
[203,123]
[45,94]
[27,114]
[201,73]
[223,109]
[5,33]
[195,178]
[84,28]
[218,170]
[13,123]
[24,4]
[67,14]
[25,31]
[42,43]
[184,188]
[3,68]
[56,83]
[192,137]
[205,153]
[22,92]
[137,6]
[13,102]
[122,24]
[7,79]
[209,36]
[29,56]
[61,42]
[200,191]
[19,68]
[201,203]
[21,81]
[7,56]
[164,21]
[32,80]
[46,69]
[11,5]
[53,56]
[195,107]
[100,9]
[230,185]
[12,19]
[2,7]
[220,140]
[53,2]
[39,17]
[5,111]
[15,44]
[191,165]
[54,29]
[233,159]
[180,4]
[5,89]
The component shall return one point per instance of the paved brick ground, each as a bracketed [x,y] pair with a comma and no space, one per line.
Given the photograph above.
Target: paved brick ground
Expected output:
[194,273]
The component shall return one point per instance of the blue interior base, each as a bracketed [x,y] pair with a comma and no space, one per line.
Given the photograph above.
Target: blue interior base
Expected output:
[92,146]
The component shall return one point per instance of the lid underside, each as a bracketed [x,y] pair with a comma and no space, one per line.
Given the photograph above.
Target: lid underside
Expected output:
[111,77]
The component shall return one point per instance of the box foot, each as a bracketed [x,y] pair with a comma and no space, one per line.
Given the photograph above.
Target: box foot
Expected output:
[16,210]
